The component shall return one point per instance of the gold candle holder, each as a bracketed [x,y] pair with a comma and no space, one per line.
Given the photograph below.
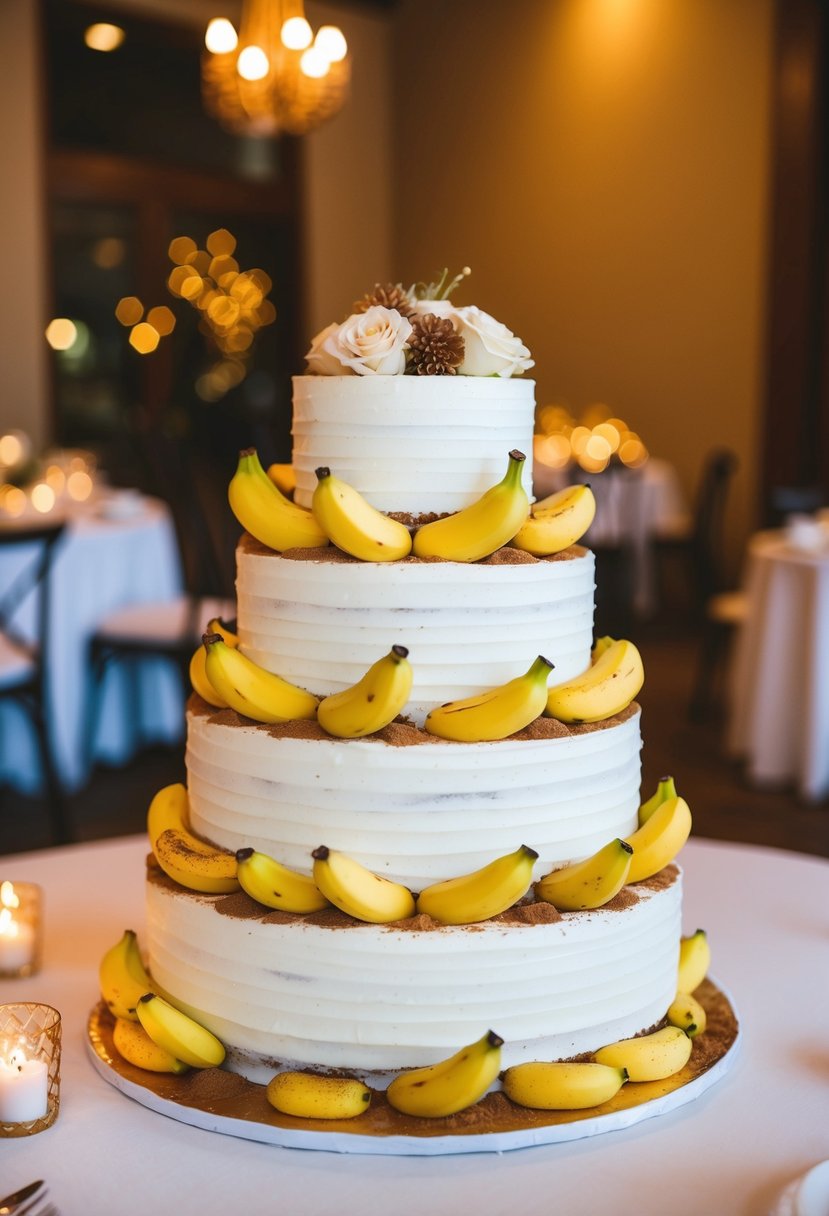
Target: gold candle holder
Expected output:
[21,929]
[29,1068]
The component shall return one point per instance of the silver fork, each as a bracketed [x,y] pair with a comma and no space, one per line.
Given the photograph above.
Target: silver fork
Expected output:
[37,1207]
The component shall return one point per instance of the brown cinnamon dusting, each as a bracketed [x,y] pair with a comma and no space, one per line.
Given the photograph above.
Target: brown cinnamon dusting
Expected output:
[505,556]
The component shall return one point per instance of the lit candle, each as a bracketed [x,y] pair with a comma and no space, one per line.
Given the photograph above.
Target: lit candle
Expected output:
[17,937]
[23,1089]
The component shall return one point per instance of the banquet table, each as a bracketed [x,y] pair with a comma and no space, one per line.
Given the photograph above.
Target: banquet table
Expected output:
[729,1153]
[779,696]
[118,549]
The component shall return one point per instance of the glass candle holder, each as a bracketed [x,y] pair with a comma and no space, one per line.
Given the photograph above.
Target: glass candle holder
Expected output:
[21,929]
[29,1068]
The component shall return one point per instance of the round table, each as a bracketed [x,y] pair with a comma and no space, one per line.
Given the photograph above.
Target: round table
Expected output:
[779,700]
[730,1152]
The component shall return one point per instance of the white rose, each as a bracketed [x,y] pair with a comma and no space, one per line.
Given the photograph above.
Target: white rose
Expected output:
[371,342]
[441,308]
[318,359]
[490,348]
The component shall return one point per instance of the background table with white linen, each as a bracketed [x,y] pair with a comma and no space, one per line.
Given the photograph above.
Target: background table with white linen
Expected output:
[118,549]
[780,679]
[730,1153]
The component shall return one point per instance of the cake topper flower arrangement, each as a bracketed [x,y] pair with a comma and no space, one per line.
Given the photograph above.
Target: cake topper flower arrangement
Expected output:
[417,331]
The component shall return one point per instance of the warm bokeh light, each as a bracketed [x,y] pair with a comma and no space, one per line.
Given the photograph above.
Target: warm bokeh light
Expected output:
[61,333]
[129,310]
[144,338]
[162,320]
[314,63]
[181,248]
[79,485]
[192,287]
[596,442]
[108,252]
[220,37]
[222,265]
[609,432]
[12,500]
[200,260]
[330,41]
[221,243]
[103,37]
[55,478]
[43,497]
[633,452]
[13,448]
[578,439]
[296,34]
[253,63]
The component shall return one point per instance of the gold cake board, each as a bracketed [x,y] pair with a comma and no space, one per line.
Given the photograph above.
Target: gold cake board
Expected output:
[223,1102]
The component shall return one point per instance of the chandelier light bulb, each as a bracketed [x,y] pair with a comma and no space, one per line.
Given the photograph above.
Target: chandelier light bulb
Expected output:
[253,63]
[330,41]
[296,34]
[220,36]
[314,63]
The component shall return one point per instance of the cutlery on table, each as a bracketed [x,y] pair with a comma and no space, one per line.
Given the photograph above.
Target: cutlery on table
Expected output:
[11,1204]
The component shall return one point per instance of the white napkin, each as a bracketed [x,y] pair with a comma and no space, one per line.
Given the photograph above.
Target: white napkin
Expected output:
[805,532]
[808,1195]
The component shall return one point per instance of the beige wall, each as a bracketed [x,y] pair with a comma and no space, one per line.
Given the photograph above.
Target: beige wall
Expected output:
[602,165]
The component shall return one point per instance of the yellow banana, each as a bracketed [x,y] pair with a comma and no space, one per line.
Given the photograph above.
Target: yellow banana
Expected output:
[659,840]
[283,477]
[198,669]
[123,978]
[250,689]
[482,894]
[562,1085]
[590,883]
[452,1085]
[179,1034]
[266,513]
[605,689]
[359,892]
[170,808]
[494,714]
[310,1096]
[274,885]
[666,788]
[650,1057]
[556,522]
[483,526]
[687,1013]
[194,864]
[694,961]
[371,703]
[354,525]
[135,1045]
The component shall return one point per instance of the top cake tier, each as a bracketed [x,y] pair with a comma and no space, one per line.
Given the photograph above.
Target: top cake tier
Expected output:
[414,445]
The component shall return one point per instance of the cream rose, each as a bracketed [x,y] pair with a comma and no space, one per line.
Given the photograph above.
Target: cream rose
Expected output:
[369,343]
[490,348]
[318,359]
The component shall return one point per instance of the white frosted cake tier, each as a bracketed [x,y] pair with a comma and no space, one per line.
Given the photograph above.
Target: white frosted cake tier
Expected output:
[413,444]
[417,810]
[283,991]
[322,622]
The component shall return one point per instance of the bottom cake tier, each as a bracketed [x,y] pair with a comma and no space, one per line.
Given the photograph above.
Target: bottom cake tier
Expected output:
[325,992]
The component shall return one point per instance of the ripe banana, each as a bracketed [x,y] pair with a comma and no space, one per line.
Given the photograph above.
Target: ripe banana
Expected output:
[494,714]
[687,1013]
[482,894]
[371,703]
[310,1096]
[179,1034]
[274,885]
[250,689]
[650,1057]
[123,978]
[483,526]
[169,809]
[557,522]
[198,669]
[194,864]
[452,1085]
[659,840]
[605,689]
[590,883]
[562,1085]
[665,789]
[266,513]
[357,891]
[354,525]
[283,477]
[136,1046]
[694,961]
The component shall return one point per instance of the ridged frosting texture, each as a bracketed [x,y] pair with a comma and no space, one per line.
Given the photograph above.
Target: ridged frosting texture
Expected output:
[371,997]
[411,443]
[468,627]
[416,814]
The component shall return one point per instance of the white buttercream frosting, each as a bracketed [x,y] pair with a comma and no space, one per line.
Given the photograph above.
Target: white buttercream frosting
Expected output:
[370,997]
[413,444]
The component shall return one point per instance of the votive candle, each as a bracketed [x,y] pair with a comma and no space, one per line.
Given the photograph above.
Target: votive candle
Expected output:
[20,929]
[24,1088]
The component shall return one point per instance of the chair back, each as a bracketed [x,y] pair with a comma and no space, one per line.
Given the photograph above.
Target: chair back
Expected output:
[31,578]
[709,519]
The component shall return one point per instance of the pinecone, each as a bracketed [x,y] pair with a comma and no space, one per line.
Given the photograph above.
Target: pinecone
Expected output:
[387,295]
[435,347]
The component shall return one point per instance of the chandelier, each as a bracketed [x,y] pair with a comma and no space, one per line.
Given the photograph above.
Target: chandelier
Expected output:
[273,76]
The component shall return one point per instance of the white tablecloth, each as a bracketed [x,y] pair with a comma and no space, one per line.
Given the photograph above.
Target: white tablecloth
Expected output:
[102,562]
[780,685]
[728,1154]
